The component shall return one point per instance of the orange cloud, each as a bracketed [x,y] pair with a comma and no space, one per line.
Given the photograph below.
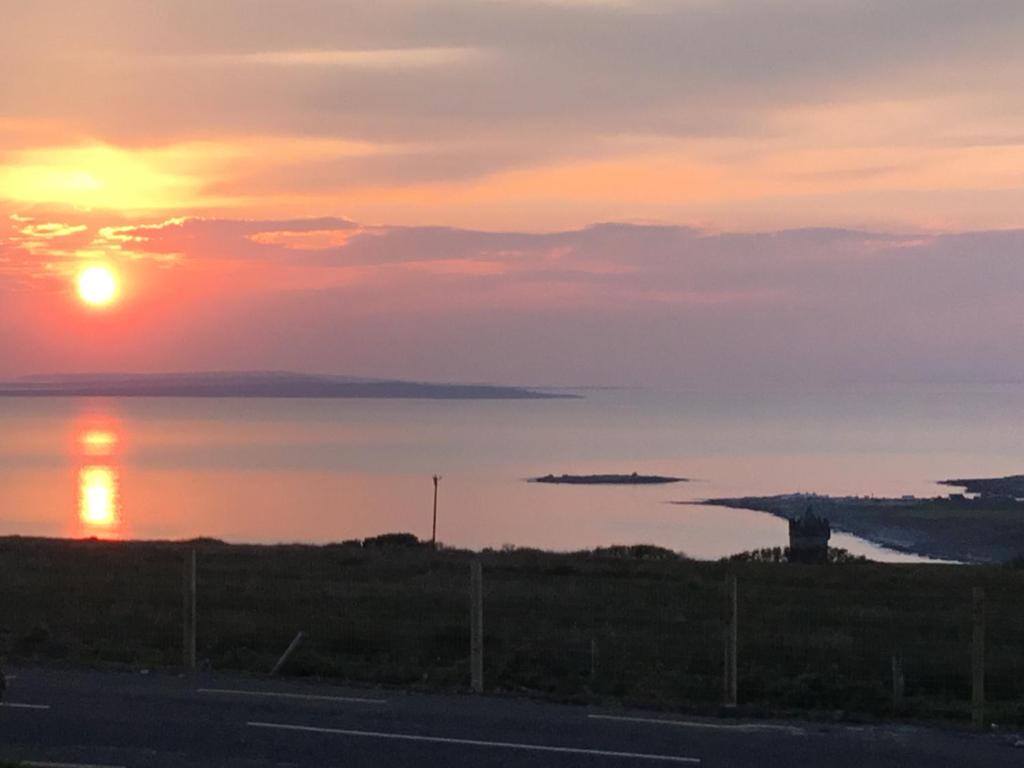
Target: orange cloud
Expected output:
[314,239]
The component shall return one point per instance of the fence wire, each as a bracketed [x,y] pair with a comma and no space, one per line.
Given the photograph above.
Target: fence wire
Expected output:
[857,638]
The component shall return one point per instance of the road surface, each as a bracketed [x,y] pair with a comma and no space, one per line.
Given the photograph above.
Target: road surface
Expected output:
[103,719]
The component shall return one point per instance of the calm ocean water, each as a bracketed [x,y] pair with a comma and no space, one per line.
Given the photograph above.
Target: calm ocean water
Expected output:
[327,470]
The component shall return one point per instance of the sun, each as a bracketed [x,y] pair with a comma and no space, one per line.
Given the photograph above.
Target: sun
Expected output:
[98,286]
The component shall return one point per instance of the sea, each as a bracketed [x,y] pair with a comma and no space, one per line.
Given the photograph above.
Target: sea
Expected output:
[316,471]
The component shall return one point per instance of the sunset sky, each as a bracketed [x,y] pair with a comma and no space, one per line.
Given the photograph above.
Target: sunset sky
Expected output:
[688,192]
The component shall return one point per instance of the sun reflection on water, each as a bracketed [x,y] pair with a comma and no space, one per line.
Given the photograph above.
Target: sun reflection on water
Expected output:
[98,442]
[97,497]
[99,502]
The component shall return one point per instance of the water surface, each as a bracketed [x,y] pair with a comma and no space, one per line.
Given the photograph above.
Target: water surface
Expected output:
[269,470]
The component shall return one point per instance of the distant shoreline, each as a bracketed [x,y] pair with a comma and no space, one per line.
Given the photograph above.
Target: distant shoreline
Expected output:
[262,385]
[954,528]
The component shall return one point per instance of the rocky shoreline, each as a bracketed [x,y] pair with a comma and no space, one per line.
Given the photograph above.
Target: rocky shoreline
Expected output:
[988,529]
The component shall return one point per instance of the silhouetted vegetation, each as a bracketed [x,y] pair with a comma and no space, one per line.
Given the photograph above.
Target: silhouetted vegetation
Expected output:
[392,540]
[782,555]
[813,638]
[637,552]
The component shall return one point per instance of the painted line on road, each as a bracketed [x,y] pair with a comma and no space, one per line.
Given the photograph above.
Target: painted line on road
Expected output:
[479,743]
[16,705]
[298,696]
[66,765]
[737,727]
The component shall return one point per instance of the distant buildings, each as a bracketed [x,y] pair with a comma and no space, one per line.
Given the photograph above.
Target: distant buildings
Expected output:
[808,538]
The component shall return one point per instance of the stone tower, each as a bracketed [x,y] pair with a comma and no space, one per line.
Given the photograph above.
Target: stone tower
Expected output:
[808,538]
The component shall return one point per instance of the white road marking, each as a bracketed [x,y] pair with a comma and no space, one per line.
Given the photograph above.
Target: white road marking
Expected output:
[740,727]
[480,743]
[15,705]
[298,696]
[66,765]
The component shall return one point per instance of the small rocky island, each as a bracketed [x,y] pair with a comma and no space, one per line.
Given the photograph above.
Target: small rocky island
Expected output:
[630,479]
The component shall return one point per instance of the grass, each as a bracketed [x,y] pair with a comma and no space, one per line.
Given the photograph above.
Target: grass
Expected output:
[813,639]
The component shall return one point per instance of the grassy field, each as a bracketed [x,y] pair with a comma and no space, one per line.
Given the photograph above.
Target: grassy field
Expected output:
[813,639]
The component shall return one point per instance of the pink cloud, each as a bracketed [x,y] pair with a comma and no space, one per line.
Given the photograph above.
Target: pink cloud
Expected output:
[610,303]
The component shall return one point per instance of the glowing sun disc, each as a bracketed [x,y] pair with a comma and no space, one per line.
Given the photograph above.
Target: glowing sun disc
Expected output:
[97,286]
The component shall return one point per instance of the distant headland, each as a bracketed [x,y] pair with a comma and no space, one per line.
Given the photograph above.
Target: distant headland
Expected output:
[630,479]
[987,529]
[257,384]
[1011,487]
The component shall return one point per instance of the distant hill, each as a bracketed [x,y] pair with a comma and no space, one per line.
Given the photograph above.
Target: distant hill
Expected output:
[254,384]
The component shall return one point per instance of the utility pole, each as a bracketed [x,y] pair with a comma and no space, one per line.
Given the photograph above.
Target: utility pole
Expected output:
[433,535]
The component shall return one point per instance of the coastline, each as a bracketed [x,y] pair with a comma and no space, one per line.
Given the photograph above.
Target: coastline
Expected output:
[952,530]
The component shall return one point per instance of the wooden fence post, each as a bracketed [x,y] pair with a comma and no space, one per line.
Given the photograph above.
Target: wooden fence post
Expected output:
[594,660]
[898,684]
[978,659]
[729,677]
[476,627]
[189,611]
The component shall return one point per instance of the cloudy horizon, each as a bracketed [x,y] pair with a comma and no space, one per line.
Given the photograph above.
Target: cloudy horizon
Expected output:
[561,192]
[610,304]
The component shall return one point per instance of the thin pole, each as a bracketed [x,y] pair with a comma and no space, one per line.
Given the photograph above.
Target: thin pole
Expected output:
[898,684]
[978,659]
[189,611]
[729,676]
[476,627]
[288,652]
[433,535]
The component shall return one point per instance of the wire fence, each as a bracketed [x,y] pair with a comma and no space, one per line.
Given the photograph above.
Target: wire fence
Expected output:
[857,639]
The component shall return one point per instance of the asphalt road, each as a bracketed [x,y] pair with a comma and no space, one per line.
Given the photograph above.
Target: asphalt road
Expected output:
[123,719]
